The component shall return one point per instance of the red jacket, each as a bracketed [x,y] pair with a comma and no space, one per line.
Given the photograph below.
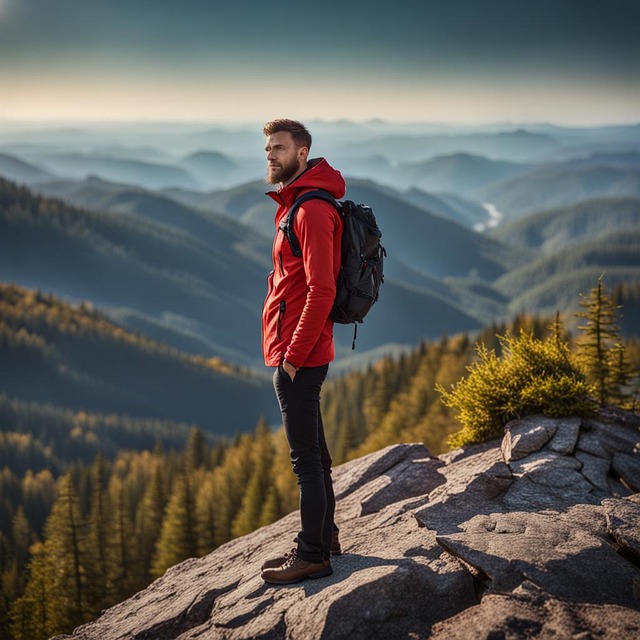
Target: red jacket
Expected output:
[295,317]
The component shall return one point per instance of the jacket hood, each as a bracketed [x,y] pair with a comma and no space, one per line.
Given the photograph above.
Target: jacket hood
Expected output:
[318,175]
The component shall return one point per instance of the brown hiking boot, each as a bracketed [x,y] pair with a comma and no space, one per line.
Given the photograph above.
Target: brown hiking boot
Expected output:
[296,569]
[274,563]
[336,550]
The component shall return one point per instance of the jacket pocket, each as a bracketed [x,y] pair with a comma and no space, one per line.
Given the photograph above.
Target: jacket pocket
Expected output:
[283,306]
[282,372]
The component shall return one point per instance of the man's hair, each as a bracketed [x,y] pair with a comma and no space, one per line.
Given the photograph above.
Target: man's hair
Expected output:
[298,131]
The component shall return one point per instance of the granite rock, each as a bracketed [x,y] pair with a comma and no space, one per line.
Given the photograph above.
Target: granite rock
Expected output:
[628,468]
[523,538]
[623,516]
[527,435]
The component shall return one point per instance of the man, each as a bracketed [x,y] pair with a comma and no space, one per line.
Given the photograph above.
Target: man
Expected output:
[297,337]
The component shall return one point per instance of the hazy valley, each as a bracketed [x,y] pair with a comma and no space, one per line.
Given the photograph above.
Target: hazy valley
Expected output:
[165,229]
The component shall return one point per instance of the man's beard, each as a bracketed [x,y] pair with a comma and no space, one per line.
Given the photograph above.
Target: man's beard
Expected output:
[275,175]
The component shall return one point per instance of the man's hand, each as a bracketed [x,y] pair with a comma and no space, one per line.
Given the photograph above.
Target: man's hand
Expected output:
[290,369]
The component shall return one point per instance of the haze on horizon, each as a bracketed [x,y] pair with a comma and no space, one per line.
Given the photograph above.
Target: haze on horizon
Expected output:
[460,61]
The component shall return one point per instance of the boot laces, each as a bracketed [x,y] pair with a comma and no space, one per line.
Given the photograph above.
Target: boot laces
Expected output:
[291,557]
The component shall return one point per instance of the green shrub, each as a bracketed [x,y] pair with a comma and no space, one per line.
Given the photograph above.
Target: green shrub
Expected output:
[531,376]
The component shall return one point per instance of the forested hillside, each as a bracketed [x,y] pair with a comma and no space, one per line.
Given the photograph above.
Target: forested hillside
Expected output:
[196,280]
[552,186]
[113,524]
[559,228]
[460,173]
[71,356]
[167,505]
[542,258]
[167,280]
[192,273]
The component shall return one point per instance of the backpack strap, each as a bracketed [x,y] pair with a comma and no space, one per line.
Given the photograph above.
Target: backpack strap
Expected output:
[286,225]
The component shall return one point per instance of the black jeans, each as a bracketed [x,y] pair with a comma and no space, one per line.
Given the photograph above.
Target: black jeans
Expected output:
[300,405]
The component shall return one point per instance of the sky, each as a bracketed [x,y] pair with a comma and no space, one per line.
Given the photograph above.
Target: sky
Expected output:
[569,62]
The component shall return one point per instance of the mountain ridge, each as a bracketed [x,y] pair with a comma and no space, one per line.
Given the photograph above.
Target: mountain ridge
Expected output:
[72,356]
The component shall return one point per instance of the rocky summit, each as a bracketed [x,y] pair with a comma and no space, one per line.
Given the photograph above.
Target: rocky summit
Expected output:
[536,535]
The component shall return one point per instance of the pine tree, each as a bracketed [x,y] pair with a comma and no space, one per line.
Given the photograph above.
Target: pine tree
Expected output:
[8,584]
[39,494]
[64,542]
[119,550]
[217,454]
[230,482]
[177,540]
[255,496]
[557,331]
[621,375]
[197,451]
[205,514]
[596,346]
[150,515]
[284,479]
[22,537]
[531,376]
[384,386]
[97,536]
[31,614]
[272,509]
[14,556]
[54,601]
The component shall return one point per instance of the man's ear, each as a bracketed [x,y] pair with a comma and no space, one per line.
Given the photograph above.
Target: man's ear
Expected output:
[303,153]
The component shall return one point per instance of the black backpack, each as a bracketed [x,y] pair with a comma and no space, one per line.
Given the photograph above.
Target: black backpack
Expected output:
[361,272]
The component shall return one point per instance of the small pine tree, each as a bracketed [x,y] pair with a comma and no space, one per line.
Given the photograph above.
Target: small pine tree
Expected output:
[97,536]
[602,361]
[177,539]
[205,515]
[150,514]
[30,614]
[272,509]
[621,374]
[121,558]
[249,516]
[531,376]
[197,451]
[54,601]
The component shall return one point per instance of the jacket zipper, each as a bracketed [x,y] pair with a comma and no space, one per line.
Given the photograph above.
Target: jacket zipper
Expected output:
[281,267]
[283,306]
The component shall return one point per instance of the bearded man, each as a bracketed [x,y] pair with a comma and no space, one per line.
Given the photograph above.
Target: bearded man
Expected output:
[297,338]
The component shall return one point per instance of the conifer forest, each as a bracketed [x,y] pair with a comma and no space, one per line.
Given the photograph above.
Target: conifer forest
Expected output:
[81,531]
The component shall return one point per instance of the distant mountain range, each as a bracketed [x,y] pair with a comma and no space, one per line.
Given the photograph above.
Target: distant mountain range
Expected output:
[184,263]
[139,167]
[561,185]
[12,168]
[147,174]
[202,282]
[211,292]
[196,279]
[516,170]
[513,145]
[557,229]
[140,255]
[460,173]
